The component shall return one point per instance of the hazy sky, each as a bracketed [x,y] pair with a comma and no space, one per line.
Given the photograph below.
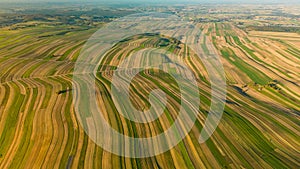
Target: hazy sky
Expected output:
[164,1]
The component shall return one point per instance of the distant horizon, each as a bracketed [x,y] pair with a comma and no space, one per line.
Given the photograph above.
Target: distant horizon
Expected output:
[156,1]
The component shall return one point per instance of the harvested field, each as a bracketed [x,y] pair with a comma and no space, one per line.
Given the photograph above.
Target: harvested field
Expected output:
[259,129]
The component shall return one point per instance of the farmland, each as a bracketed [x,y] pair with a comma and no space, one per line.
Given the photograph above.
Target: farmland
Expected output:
[260,127]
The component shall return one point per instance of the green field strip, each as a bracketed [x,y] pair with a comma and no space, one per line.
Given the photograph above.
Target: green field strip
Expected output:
[67,116]
[53,140]
[253,73]
[30,40]
[185,155]
[260,48]
[48,88]
[137,136]
[11,120]
[49,53]
[158,84]
[67,53]
[6,96]
[290,47]
[281,113]
[204,47]
[217,154]
[109,56]
[214,41]
[230,144]
[181,146]
[264,115]
[29,71]
[217,29]
[98,157]
[52,71]
[28,150]
[4,75]
[198,149]
[72,141]
[114,118]
[293,92]
[21,41]
[276,67]
[287,96]
[281,97]
[83,151]
[293,53]
[13,42]
[76,55]
[228,40]
[2,59]
[26,142]
[245,48]
[29,50]
[274,122]
[255,139]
